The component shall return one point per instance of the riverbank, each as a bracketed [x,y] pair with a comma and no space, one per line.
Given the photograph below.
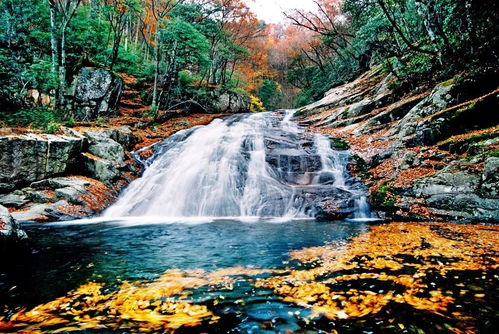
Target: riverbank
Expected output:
[428,154]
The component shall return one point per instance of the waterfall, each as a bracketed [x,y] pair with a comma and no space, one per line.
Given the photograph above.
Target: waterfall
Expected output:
[254,165]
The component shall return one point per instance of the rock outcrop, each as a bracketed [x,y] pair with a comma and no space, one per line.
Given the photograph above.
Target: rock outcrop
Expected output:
[32,157]
[230,102]
[95,93]
[34,181]
[430,154]
[63,198]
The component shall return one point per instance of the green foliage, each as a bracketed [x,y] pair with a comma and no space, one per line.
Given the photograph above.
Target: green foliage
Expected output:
[100,122]
[305,98]
[186,78]
[339,144]
[418,41]
[382,198]
[38,118]
[269,93]
[186,45]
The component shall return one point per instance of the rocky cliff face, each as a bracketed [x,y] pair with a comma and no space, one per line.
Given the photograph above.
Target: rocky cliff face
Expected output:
[430,154]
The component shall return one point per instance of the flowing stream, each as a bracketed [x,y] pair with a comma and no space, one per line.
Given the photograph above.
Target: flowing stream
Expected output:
[245,166]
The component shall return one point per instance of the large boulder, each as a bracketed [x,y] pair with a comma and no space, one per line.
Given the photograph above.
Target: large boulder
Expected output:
[100,169]
[106,153]
[230,102]
[95,93]
[28,158]
[459,194]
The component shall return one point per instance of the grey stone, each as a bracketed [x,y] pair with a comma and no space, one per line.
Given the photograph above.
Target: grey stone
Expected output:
[440,98]
[490,179]
[9,228]
[96,93]
[491,169]
[29,158]
[61,182]
[100,169]
[408,160]
[446,182]
[38,197]
[109,150]
[33,213]
[69,194]
[13,201]
[230,102]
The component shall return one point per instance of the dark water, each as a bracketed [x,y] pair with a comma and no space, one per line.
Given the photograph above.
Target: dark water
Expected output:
[64,257]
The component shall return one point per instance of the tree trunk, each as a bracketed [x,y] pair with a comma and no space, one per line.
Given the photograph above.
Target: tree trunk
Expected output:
[156,71]
[53,37]
[62,71]
[116,49]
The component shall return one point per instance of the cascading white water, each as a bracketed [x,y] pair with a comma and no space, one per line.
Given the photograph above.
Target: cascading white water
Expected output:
[258,165]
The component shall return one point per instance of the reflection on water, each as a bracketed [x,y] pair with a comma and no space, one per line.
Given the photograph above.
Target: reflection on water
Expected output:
[236,277]
[66,256]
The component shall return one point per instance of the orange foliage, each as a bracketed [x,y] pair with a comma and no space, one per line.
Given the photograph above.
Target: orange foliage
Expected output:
[402,258]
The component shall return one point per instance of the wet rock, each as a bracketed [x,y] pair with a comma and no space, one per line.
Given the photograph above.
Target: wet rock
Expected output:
[9,228]
[328,210]
[96,93]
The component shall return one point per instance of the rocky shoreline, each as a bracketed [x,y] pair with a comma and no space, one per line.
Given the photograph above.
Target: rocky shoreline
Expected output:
[74,174]
[431,154]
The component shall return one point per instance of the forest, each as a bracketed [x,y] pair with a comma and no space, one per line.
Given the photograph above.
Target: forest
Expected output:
[183,50]
[249,166]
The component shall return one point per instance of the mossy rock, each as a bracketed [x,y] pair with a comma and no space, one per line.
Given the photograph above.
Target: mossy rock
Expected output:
[339,144]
